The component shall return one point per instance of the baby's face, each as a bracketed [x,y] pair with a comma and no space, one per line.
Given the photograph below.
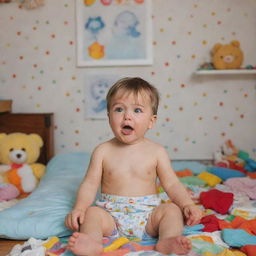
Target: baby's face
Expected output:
[130,116]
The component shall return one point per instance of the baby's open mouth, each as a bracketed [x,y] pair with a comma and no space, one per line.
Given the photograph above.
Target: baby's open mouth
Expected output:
[127,129]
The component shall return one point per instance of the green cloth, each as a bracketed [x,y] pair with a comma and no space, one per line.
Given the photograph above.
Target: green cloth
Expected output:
[193,180]
[200,247]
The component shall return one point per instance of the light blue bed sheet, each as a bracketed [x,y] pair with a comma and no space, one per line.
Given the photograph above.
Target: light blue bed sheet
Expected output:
[42,214]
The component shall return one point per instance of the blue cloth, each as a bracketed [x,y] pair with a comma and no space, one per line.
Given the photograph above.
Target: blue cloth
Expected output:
[194,166]
[238,237]
[188,230]
[225,173]
[42,214]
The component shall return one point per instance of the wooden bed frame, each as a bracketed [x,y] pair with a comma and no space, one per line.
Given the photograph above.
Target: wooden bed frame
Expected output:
[39,123]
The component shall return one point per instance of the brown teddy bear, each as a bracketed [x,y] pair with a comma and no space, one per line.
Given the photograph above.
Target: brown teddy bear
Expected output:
[227,56]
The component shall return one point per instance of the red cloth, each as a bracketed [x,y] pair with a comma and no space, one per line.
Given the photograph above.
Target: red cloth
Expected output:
[249,250]
[217,200]
[234,166]
[210,222]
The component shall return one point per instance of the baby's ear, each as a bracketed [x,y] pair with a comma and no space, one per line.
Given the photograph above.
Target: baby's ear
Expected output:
[153,121]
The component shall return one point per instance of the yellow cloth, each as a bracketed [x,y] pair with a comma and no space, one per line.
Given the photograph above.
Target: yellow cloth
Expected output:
[226,252]
[211,179]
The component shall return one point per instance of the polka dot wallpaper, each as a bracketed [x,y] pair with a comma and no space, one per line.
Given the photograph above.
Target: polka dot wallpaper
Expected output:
[197,113]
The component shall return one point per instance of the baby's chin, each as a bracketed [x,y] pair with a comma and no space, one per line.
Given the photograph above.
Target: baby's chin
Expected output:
[129,140]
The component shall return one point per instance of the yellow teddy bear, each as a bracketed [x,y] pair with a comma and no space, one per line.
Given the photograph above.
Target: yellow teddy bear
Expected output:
[18,155]
[227,56]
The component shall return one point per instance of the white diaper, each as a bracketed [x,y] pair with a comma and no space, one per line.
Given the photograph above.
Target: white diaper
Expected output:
[130,213]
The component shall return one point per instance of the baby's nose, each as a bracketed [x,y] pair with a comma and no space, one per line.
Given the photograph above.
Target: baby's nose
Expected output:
[127,115]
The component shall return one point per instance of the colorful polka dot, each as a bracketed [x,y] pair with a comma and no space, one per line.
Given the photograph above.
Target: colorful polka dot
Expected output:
[39,60]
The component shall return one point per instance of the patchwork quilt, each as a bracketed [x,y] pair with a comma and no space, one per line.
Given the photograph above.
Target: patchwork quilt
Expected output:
[227,194]
[228,227]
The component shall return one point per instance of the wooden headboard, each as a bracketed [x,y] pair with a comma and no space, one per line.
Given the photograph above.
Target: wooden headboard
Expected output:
[39,123]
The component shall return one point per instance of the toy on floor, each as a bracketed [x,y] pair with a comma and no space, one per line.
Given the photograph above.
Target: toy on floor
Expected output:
[18,155]
[116,244]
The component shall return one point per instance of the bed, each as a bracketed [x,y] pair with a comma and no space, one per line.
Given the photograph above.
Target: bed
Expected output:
[228,227]
[40,123]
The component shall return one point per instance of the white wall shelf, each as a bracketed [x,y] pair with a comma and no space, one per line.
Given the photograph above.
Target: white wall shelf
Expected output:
[227,72]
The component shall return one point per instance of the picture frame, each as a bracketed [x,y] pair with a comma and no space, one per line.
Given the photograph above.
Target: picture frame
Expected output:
[114,33]
[96,87]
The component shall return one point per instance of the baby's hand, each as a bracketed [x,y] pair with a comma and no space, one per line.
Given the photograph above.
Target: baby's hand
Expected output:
[74,219]
[193,214]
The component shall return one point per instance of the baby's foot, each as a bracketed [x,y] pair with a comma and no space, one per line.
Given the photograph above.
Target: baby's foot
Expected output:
[177,245]
[83,245]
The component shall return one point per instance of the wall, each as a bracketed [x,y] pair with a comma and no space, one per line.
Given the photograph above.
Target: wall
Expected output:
[38,71]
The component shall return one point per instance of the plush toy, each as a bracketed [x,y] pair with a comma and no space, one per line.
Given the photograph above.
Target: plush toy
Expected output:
[228,156]
[229,149]
[219,158]
[227,56]
[31,4]
[18,155]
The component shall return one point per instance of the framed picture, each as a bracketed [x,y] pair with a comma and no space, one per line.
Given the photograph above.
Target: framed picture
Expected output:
[96,88]
[114,32]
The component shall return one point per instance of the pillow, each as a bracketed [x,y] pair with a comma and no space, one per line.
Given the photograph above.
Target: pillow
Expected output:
[42,214]
[225,173]
[194,166]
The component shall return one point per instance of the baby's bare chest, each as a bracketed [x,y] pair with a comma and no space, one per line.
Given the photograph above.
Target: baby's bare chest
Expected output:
[130,166]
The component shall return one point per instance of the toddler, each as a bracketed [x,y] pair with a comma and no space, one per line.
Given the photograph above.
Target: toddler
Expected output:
[127,167]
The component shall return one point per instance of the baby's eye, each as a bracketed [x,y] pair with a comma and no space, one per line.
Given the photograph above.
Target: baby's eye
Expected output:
[118,109]
[138,110]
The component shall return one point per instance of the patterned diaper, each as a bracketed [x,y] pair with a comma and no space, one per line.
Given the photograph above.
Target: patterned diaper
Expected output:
[130,213]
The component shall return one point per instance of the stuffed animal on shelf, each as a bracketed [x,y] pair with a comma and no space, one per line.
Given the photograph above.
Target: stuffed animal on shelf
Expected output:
[227,56]
[18,155]
[31,4]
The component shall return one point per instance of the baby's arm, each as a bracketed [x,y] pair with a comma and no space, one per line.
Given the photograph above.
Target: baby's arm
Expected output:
[175,189]
[87,191]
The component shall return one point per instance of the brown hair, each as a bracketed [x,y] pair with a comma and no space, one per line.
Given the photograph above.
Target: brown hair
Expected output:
[135,85]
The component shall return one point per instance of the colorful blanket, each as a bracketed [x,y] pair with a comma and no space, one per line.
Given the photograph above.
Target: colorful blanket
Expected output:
[227,229]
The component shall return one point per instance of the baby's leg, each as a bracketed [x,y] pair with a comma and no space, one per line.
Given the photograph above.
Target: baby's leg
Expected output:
[166,221]
[88,241]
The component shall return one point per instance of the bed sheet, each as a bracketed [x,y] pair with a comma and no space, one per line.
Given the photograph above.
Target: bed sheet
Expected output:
[222,234]
[229,222]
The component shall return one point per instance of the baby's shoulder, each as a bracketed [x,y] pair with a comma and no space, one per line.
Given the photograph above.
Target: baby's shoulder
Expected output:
[104,147]
[156,147]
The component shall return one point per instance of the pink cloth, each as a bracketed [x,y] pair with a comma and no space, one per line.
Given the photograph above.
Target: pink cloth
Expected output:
[245,185]
[8,192]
